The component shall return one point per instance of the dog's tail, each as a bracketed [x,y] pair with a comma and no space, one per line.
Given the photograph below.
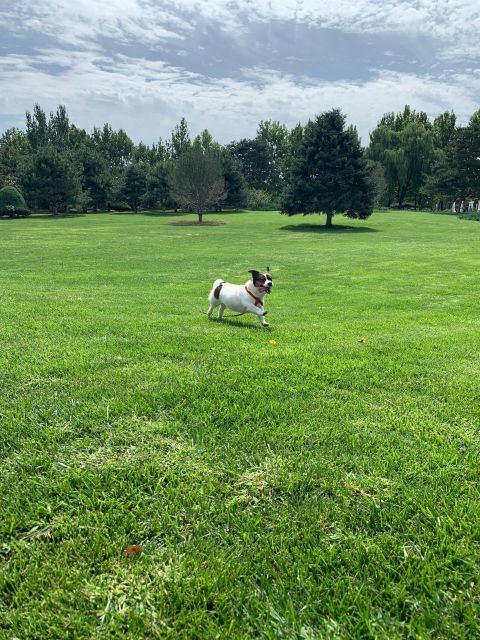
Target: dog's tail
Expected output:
[216,288]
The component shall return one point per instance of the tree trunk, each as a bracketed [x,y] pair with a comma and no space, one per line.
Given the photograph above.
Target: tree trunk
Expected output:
[328,223]
[200,216]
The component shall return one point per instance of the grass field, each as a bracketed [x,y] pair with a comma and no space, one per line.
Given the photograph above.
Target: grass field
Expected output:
[323,486]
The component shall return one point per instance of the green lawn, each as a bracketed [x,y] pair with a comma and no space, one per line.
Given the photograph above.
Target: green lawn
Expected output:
[319,487]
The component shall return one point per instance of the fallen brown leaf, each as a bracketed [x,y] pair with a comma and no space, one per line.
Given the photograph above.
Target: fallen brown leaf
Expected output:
[132,550]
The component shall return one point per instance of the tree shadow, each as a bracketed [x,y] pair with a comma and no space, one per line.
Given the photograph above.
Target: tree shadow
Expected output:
[196,223]
[319,228]
[48,216]
[163,214]
[62,216]
[172,214]
[226,212]
[149,214]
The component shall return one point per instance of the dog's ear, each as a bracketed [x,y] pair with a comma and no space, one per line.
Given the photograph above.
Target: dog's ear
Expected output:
[254,273]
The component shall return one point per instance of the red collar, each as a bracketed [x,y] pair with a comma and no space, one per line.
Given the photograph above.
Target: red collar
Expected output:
[258,302]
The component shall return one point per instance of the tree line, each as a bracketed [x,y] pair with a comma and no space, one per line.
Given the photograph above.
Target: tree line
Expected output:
[317,167]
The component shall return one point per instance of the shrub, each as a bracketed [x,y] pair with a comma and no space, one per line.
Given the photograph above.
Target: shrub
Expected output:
[12,203]
[119,206]
[470,215]
[260,200]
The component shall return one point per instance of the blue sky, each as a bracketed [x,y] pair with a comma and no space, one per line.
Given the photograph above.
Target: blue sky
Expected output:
[227,64]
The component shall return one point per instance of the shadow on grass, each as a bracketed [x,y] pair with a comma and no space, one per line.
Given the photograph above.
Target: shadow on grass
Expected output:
[48,216]
[172,214]
[232,321]
[45,215]
[226,212]
[196,223]
[320,228]
[163,214]
[149,214]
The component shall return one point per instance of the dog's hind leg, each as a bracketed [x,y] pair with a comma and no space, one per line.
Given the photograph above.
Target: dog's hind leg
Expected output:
[213,297]
[220,311]
[211,308]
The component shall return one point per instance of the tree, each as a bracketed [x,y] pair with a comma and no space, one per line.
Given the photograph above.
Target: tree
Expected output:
[197,181]
[259,200]
[444,127]
[37,127]
[276,138]
[14,153]
[12,203]
[95,176]
[403,144]
[329,173]
[293,144]
[135,184]
[235,185]
[59,128]
[114,146]
[52,180]
[456,174]
[42,132]
[205,142]
[180,140]
[157,192]
[254,160]
[379,183]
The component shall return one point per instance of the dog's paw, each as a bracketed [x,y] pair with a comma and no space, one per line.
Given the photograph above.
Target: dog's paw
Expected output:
[265,325]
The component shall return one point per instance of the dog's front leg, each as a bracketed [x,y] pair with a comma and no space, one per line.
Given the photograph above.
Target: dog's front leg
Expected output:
[261,313]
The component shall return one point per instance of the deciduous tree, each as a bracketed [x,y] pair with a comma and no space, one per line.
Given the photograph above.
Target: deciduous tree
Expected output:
[197,181]
[404,145]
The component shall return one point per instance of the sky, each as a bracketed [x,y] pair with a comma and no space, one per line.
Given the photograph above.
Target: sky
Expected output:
[225,65]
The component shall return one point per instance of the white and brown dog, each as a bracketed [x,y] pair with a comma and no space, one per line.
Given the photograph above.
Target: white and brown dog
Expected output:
[243,298]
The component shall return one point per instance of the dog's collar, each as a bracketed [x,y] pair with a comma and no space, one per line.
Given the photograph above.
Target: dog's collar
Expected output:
[258,302]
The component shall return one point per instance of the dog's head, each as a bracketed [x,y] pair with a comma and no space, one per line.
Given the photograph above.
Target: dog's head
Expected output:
[262,281]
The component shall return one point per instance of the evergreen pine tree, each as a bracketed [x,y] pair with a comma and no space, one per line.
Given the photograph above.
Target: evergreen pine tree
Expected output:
[329,173]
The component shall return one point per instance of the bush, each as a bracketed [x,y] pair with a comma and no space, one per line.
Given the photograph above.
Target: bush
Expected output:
[119,206]
[12,203]
[260,200]
[470,215]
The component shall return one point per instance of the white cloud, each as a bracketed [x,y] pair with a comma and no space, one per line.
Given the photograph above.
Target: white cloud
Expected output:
[456,22]
[148,98]
[81,22]
[441,18]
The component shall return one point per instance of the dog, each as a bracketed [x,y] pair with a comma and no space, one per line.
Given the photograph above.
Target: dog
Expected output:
[244,298]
